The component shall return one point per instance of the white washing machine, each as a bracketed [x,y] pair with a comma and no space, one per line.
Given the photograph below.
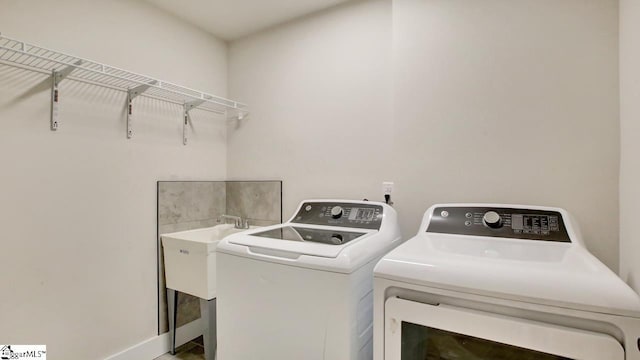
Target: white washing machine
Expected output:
[483,281]
[303,290]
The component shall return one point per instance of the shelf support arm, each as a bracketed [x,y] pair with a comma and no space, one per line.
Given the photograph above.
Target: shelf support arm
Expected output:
[56,78]
[188,106]
[132,94]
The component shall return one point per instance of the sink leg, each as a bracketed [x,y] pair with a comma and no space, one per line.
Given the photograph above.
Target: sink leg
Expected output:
[208,315]
[172,304]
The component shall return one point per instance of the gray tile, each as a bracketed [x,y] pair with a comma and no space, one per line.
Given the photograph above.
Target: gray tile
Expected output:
[258,200]
[187,201]
[188,309]
[163,319]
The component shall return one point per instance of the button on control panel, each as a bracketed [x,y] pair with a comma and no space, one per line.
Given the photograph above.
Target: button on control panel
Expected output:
[500,222]
[362,216]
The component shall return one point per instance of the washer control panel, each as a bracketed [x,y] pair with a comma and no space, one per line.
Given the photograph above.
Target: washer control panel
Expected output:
[352,215]
[526,224]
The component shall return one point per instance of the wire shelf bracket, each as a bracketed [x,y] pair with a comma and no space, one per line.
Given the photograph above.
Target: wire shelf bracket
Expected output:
[132,94]
[62,66]
[187,117]
[56,78]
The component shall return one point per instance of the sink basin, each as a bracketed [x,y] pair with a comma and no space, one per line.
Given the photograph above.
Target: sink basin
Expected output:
[190,259]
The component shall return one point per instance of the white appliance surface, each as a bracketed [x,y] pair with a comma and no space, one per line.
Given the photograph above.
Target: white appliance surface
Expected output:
[559,274]
[304,289]
[469,267]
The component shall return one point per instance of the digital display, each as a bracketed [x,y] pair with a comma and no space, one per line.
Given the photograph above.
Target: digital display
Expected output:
[534,223]
[364,214]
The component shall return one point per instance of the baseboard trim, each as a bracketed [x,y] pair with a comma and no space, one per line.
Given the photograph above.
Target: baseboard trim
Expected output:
[159,345]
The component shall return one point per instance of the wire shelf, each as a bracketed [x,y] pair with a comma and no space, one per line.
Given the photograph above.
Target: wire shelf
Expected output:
[35,58]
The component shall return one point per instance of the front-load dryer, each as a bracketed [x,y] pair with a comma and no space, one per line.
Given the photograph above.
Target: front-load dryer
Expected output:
[484,281]
[303,290]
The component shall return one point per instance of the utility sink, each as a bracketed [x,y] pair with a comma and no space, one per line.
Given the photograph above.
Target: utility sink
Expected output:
[190,259]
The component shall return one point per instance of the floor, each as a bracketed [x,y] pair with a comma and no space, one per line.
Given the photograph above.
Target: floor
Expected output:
[193,350]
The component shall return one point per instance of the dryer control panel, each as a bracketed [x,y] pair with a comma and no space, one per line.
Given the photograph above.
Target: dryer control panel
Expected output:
[528,224]
[364,216]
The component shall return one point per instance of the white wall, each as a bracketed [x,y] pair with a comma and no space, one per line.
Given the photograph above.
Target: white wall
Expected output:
[320,95]
[630,146]
[510,102]
[78,211]
[457,100]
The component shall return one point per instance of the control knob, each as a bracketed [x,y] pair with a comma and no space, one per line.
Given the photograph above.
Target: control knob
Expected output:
[336,212]
[336,239]
[492,219]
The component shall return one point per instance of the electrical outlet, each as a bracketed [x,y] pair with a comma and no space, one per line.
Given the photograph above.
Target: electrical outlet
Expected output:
[387,187]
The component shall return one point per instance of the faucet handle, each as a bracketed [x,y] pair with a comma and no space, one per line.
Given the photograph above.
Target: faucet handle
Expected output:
[239,222]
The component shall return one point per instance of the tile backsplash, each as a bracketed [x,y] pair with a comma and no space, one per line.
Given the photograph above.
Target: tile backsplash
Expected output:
[255,201]
[186,205]
[183,202]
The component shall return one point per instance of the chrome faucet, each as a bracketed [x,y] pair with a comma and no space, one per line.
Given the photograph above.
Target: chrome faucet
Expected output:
[239,222]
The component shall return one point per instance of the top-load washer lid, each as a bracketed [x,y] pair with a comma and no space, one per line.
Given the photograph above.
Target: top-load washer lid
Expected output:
[557,271]
[294,233]
[327,243]
[328,235]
